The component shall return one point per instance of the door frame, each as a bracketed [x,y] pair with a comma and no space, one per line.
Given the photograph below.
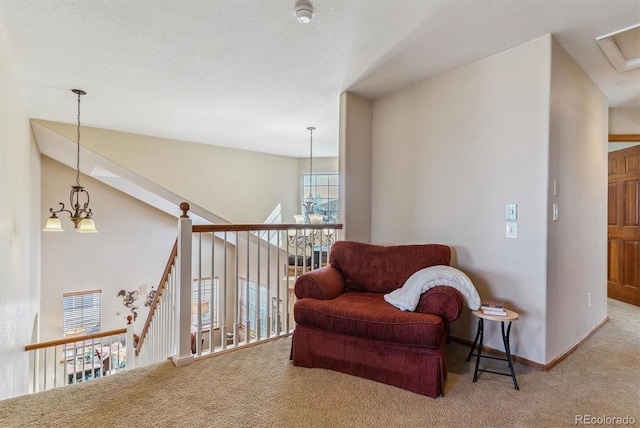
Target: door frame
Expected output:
[620,138]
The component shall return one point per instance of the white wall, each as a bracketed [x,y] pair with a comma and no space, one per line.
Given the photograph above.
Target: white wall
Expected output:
[237,185]
[577,241]
[624,120]
[320,165]
[130,250]
[19,230]
[448,154]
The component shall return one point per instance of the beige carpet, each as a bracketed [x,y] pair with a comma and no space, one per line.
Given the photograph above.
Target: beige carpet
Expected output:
[259,387]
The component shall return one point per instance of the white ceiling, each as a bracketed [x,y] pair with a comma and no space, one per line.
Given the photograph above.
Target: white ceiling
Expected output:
[246,74]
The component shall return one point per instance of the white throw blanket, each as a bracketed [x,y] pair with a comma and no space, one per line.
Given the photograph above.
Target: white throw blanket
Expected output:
[406,298]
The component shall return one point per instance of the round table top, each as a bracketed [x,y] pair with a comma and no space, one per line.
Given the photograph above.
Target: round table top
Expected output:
[511,315]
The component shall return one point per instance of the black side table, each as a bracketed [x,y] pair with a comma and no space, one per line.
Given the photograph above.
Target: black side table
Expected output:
[510,317]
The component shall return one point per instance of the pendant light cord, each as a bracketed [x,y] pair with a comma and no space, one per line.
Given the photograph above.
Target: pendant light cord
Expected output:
[78,146]
[311,154]
[311,128]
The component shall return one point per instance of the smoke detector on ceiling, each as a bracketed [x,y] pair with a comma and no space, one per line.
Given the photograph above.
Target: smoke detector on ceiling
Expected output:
[303,13]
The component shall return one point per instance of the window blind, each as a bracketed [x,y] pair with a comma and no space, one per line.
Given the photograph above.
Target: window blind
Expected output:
[252,306]
[82,312]
[209,294]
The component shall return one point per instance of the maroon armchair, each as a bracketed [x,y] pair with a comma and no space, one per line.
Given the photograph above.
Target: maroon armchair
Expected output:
[343,322]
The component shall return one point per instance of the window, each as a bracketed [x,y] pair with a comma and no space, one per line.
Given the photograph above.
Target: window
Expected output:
[253,312]
[81,312]
[274,236]
[324,190]
[209,296]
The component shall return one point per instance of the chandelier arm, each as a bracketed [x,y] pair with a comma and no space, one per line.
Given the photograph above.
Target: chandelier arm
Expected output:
[86,204]
[75,204]
[74,200]
[60,210]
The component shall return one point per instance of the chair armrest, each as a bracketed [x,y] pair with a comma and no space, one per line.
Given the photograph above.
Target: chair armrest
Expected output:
[446,302]
[325,283]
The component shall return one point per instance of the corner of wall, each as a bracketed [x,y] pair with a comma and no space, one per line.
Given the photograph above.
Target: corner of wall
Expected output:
[577,241]
[354,166]
[19,229]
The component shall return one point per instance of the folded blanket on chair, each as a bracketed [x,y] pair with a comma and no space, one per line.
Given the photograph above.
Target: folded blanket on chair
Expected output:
[406,298]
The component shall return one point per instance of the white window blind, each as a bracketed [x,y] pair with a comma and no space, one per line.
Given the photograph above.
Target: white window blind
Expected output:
[253,312]
[208,295]
[82,312]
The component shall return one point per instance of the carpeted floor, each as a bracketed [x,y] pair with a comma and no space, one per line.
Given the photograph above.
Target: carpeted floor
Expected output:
[259,387]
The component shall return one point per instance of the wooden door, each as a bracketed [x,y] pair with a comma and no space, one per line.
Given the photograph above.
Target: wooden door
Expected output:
[623,272]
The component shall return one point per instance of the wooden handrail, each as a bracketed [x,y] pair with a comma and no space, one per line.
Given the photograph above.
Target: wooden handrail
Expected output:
[75,339]
[624,138]
[159,292]
[261,227]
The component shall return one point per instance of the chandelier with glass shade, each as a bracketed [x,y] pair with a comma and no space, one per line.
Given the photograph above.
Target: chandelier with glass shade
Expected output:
[301,239]
[80,213]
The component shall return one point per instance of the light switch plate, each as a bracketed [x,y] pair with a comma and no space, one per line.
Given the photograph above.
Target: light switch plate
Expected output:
[512,211]
[512,230]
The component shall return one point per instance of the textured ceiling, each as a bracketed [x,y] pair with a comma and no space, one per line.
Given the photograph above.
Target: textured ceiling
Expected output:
[246,74]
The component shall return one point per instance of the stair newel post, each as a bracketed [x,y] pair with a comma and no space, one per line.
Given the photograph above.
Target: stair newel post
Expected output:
[183,354]
[131,361]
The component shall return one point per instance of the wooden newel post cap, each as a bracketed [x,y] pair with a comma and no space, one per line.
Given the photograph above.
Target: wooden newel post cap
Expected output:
[129,319]
[185,209]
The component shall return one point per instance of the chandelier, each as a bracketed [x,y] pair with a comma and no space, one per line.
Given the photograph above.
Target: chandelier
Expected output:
[314,237]
[81,216]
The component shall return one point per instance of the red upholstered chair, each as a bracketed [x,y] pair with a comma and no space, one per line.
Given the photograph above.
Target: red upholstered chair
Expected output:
[343,322]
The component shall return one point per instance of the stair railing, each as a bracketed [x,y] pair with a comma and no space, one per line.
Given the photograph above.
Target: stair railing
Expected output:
[242,288]
[79,358]
[158,336]
[234,282]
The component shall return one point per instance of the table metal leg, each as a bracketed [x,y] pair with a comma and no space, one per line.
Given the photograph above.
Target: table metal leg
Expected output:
[475,341]
[479,354]
[507,350]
